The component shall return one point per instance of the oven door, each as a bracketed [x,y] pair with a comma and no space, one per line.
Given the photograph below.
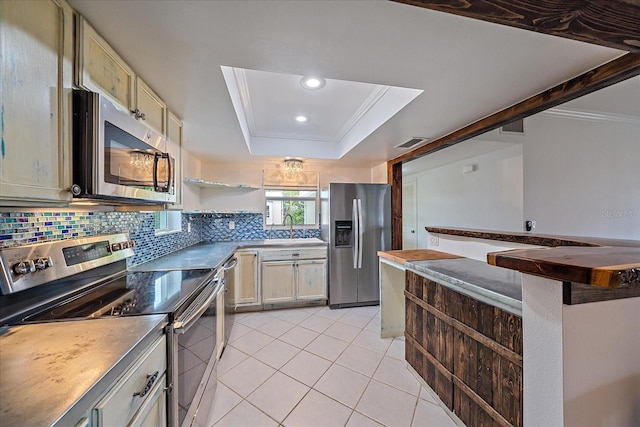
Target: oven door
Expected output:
[116,156]
[192,349]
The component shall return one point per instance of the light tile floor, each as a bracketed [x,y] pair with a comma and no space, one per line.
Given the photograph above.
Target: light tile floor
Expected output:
[318,367]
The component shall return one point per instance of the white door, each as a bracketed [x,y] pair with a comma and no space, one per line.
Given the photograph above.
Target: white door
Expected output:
[409,214]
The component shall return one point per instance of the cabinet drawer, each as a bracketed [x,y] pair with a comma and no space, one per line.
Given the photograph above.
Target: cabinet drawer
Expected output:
[120,404]
[292,254]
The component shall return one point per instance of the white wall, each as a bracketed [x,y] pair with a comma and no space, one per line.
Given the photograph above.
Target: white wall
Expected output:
[191,168]
[581,361]
[582,177]
[379,174]
[572,176]
[488,198]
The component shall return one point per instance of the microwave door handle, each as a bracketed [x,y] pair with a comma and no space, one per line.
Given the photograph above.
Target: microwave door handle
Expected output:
[167,189]
[155,170]
[157,157]
[170,178]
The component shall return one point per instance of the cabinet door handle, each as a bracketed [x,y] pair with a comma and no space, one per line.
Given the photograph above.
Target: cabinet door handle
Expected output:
[150,380]
[139,114]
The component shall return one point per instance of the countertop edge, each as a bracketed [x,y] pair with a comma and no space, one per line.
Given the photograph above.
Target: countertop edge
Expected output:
[532,238]
[399,257]
[91,396]
[487,296]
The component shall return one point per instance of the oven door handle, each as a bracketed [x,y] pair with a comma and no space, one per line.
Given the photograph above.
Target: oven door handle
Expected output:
[231,264]
[195,311]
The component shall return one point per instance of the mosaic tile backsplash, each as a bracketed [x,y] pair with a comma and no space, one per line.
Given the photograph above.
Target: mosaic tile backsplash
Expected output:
[248,226]
[22,228]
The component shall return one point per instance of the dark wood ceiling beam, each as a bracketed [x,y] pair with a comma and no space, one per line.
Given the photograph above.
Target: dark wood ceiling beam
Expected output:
[610,73]
[612,23]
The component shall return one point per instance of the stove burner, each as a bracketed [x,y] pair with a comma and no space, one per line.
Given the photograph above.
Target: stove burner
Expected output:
[77,309]
[124,307]
[115,302]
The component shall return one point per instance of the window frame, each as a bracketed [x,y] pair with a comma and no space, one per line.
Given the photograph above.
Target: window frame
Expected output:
[276,226]
[167,222]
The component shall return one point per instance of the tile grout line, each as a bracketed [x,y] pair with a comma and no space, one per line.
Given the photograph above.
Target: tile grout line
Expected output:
[332,363]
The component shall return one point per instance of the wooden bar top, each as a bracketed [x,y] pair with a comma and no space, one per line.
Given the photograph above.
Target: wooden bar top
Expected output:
[605,266]
[532,238]
[402,256]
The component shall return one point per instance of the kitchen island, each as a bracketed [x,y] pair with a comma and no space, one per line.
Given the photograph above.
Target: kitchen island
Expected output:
[392,268]
[464,337]
[581,311]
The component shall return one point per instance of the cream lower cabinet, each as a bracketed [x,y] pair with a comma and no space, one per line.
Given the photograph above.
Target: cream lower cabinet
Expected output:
[244,286]
[36,65]
[220,323]
[294,275]
[139,398]
[278,282]
[311,279]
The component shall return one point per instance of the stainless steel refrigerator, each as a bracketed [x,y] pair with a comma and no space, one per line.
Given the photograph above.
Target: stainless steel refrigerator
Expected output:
[356,223]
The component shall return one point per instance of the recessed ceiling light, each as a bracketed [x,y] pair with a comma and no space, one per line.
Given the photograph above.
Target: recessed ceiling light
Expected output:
[309,82]
[301,119]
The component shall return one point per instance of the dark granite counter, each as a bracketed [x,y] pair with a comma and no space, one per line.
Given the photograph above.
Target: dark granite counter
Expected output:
[52,373]
[494,285]
[214,254]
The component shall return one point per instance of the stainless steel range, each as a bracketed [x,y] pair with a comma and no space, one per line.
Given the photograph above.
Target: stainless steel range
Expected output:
[87,278]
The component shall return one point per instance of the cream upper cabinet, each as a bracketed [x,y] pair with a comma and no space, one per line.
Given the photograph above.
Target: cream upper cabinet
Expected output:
[149,107]
[245,287]
[174,147]
[101,69]
[36,64]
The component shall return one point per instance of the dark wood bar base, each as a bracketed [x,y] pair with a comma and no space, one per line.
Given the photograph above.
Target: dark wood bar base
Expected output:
[468,352]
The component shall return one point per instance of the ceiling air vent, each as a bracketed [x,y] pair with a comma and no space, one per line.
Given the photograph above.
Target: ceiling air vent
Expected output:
[412,142]
[513,127]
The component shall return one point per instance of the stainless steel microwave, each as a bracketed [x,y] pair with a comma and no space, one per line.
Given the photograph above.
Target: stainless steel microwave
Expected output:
[116,157]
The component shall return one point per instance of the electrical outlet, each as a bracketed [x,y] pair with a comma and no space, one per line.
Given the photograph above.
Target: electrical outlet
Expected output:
[188,227]
[529,225]
[434,240]
[232,225]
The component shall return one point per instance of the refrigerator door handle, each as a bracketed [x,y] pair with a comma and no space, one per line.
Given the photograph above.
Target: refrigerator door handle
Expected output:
[360,233]
[356,239]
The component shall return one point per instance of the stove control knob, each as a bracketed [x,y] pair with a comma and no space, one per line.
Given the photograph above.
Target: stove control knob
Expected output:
[24,267]
[116,247]
[43,263]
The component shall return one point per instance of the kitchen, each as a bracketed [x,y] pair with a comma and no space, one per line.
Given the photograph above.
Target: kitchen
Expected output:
[209,210]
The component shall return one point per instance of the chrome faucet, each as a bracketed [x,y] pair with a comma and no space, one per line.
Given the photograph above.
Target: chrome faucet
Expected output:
[284,222]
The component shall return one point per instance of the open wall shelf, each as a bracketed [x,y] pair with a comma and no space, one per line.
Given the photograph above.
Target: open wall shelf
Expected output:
[213,184]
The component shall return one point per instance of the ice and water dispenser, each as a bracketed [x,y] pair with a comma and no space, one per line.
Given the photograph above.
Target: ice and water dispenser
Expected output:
[343,232]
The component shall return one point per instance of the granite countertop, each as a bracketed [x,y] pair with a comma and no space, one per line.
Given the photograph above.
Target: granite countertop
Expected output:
[51,373]
[214,254]
[494,285]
